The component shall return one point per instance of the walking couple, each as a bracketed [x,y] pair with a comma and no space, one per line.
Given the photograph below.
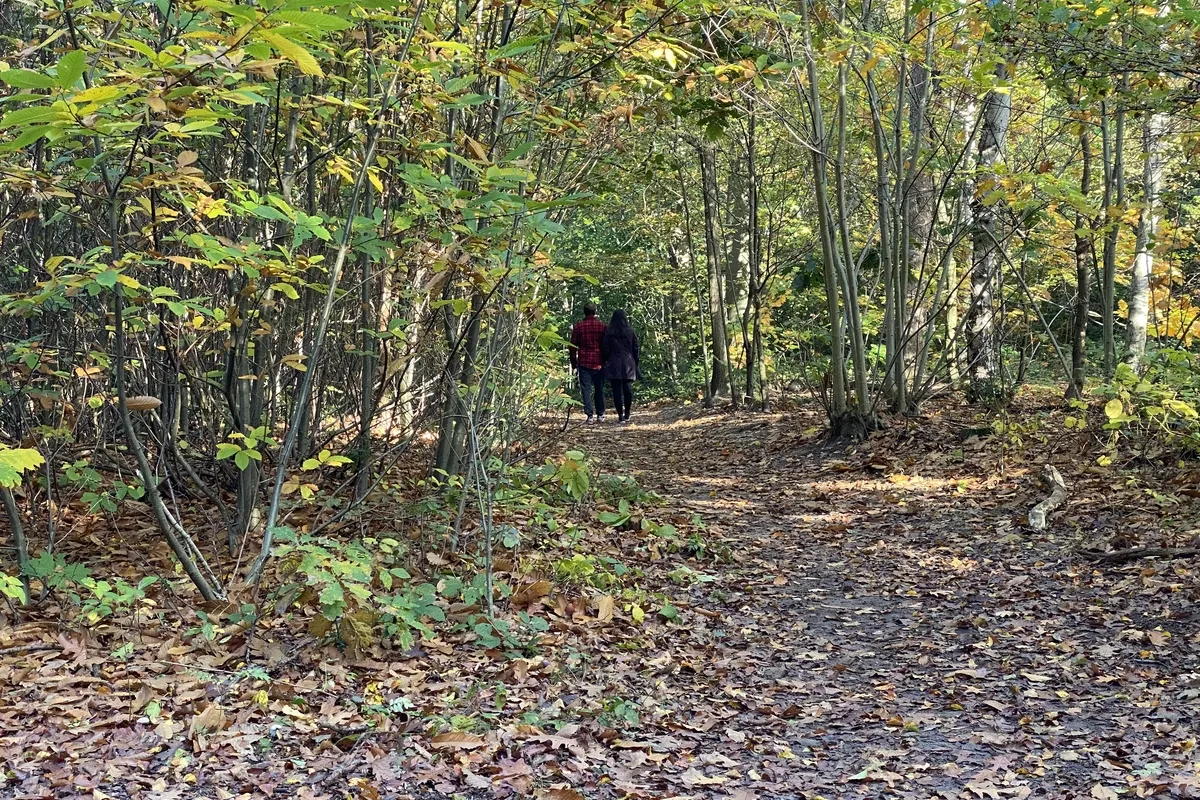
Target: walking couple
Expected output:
[600,351]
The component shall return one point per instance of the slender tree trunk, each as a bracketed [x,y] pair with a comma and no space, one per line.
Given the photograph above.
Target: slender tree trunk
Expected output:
[825,224]
[1114,209]
[700,310]
[716,314]
[1143,262]
[844,266]
[983,345]
[920,203]
[1083,274]
[751,334]
[18,540]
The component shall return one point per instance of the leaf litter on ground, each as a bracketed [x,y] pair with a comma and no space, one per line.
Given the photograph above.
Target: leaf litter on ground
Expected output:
[871,620]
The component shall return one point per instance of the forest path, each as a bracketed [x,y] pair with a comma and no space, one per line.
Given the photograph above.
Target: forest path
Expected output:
[884,628]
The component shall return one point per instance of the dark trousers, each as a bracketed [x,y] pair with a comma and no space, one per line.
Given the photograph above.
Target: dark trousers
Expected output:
[622,397]
[591,386]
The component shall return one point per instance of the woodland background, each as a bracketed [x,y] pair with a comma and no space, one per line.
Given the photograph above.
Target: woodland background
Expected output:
[287,284]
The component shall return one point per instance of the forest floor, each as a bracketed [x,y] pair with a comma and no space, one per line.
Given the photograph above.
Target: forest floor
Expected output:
[869,620]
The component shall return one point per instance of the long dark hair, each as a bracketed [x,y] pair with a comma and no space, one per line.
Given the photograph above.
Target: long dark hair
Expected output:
[619,327]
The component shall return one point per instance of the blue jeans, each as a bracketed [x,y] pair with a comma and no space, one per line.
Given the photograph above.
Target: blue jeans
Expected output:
[591,386]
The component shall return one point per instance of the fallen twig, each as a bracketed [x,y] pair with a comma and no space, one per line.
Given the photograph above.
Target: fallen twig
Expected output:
[1133,553]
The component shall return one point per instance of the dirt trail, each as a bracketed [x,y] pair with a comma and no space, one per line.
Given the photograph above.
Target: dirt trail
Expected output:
[885,628]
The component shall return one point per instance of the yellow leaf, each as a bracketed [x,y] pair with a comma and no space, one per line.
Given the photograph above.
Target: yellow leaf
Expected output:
[186,158]
[1114,408]
[295,53]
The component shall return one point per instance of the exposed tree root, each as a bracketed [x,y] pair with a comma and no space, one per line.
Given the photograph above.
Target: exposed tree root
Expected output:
[1039,514]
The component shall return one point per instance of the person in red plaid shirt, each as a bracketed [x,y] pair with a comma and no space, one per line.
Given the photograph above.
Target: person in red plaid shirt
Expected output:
[586,336]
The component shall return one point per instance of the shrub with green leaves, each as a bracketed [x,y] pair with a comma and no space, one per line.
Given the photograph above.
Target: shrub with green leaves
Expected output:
[93,599]
[1159,406]
[356,588]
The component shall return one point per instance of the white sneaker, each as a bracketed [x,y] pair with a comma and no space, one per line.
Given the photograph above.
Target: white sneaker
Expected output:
[588,421]
[600,420]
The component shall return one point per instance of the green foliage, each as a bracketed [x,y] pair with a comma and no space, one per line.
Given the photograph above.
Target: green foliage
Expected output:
[573,474]
[599,572]
[625,487]
[356,588]
[1158,407]
[617,712]
[244,448]
[15,462]
[519,638]
[91,599]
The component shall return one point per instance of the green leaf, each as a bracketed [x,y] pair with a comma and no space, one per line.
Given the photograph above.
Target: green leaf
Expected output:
[1114,408]
[458,47]
[227,449]
[70,68]
[27,137]
[27,116]
[14,462]
[108,278]
[242,459]
[27,79]
[269,212]
[287,289]
[295,53]
[332,594]
[313,19]
[96,94]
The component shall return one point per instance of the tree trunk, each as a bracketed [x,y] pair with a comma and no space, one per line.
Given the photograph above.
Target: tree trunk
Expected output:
[716,314]
[690,254]
[1143,262]
[825,224]
[1083,274]
[1114,208]
[983,344]
[920,204]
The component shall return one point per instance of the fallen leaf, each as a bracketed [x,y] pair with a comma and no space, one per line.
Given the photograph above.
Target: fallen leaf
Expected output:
[455,740]
[604,608]
[559,794]
[210,719]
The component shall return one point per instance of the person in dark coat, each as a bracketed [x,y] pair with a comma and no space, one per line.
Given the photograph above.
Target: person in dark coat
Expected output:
[622,364]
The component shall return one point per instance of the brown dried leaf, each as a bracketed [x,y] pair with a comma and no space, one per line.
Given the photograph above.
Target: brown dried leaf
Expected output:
[457,741]
[531,593]
[604,608]
[142,402]
[210,719]
[559,794]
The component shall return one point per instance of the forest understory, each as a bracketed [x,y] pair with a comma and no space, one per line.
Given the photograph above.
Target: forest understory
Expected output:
[850,620]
